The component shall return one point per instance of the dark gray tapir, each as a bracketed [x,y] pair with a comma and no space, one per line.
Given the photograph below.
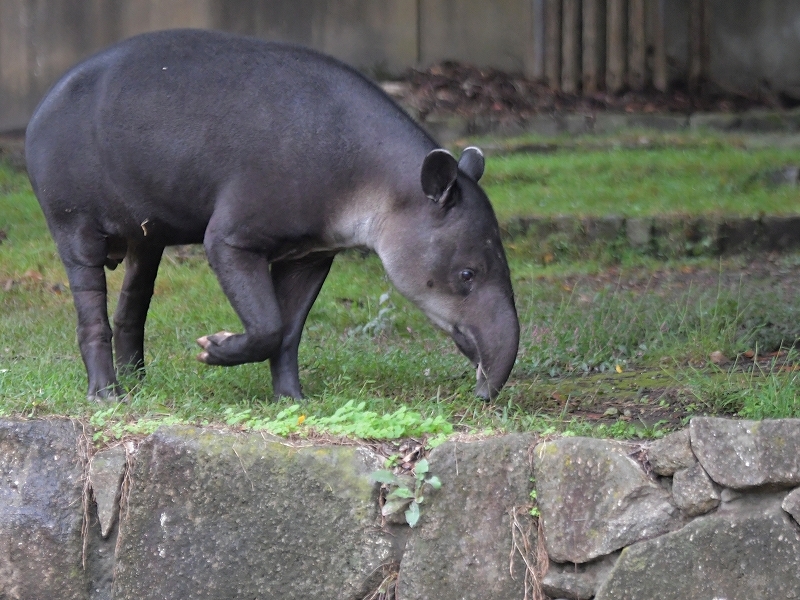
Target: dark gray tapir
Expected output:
[274,157]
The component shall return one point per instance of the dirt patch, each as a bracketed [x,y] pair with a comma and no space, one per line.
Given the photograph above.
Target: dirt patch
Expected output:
[468,91]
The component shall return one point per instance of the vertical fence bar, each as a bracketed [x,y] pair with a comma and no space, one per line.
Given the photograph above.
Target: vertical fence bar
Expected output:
[593,45]
[637,46]
[698,44]
[552,44]
[537,10]
[660,75]
[616,45]
[571,46]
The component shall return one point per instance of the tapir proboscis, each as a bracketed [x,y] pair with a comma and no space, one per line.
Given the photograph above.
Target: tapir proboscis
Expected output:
[275,158]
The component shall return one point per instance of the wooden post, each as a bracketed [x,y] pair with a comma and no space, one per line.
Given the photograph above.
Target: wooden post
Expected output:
[698,44]
[552,43]
[637,46]
[537,10]
[616,43]
[660,74]
[593,45]
[571,46]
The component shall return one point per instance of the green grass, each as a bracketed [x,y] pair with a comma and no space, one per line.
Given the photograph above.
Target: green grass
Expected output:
[672,174]
[372,366]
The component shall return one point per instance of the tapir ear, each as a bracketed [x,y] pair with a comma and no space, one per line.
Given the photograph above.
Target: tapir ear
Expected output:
[439,171]
[472,162]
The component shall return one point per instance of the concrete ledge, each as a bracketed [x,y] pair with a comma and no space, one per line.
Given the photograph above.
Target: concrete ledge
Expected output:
[562,236]
[448,128]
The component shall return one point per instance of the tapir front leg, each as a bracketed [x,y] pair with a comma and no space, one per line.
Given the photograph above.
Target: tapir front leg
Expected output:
[245,278]
[141,268]
[297,284]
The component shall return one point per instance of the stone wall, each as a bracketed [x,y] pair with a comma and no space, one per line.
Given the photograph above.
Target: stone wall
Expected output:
[712,511]
[708,512]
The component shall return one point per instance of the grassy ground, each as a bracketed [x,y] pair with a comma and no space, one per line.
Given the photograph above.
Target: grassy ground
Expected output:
[620,345]
[638,174]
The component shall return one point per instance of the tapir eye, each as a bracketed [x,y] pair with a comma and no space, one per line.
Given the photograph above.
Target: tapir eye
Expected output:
[467,275]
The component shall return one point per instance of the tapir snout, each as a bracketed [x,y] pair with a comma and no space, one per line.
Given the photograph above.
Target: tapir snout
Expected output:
[491,345]
[275,158]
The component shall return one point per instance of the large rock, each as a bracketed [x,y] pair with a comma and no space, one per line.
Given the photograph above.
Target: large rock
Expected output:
[748,549]
[694,492]
[791,504]
[577,582]
[671,453]
[41,511]
[595,499]
[106,471]
[223,516]
[746,454]
[460,548]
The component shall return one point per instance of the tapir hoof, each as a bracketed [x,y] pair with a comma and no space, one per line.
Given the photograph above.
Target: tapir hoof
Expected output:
[208,343]
[205,341]
[108,396]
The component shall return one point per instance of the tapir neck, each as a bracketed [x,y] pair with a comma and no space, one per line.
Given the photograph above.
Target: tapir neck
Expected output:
[371,217]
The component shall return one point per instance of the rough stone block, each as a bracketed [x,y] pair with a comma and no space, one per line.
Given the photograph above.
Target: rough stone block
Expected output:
[761,120]
[694,492]
[460,548]
[746,550]
[41,511]
[224,517]
[595,499]
[105,474]
[780,233]
[671,453]
[609,122]
[745,454]
[639,232]
[577,582]
[545,124]
[738,234]
[791,504]
[657,121]
[718,121]
[603,229]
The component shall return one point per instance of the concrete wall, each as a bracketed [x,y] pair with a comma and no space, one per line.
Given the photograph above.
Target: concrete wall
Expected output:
[40,39]
[751,42]
[755,45]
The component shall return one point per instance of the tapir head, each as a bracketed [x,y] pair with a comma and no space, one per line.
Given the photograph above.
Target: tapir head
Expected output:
[446,256]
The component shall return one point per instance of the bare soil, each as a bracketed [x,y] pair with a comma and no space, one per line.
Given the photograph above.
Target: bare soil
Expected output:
[469,91]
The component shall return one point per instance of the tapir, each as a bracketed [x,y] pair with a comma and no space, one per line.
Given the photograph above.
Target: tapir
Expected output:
[275,157]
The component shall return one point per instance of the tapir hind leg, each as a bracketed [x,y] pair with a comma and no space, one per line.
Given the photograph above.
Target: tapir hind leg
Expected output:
[141,267]
[297,284]
[83,253]
[245,278]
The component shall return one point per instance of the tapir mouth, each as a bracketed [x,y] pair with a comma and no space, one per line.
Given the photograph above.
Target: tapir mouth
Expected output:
[466,342]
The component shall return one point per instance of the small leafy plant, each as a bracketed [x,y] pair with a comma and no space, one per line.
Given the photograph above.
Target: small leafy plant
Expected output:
[405,492]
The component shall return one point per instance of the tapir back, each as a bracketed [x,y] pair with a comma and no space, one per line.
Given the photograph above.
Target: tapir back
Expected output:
[159,125]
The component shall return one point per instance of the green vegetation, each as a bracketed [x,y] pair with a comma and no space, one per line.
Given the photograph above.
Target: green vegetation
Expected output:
[616,345]
[639,174]
[406,492]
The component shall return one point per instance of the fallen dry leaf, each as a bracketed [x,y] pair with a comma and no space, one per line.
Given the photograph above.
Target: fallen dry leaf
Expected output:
[718,357]
[33,275]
